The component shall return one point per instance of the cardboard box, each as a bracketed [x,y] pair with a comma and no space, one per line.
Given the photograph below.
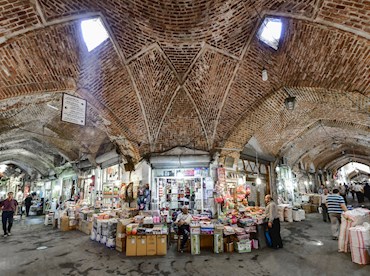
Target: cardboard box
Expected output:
[121,225]
[229,247]
[121,242]
[314,208]
[195,244]
[86,227]
[161,244]
[131,242]
[151,246]
[243,246]
[64,223]
[306,208]
[141,246]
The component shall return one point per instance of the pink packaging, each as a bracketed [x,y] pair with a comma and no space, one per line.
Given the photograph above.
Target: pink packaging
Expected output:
[254,244]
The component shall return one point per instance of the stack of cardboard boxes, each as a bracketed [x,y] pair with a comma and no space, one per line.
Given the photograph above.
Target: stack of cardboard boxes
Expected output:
[121,234]
[146,245]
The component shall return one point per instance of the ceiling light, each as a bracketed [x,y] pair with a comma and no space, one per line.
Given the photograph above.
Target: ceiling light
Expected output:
[264,75]
[93,32]
[258,181]
[290,103]
[2,168]
[270,32]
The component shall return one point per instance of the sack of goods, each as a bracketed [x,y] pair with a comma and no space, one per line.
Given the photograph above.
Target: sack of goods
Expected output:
[360,243]
[350,219]
[288,214]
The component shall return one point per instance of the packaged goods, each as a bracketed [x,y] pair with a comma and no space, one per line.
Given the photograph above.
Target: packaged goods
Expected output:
[350,219]
[254,244]
[64,223]
[243,246]
[195,244]
[218,243]
[360,243]
[288,214]
[296,215]
[111,243]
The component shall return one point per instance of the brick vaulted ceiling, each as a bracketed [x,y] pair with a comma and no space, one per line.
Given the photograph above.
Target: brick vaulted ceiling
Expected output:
[187,73]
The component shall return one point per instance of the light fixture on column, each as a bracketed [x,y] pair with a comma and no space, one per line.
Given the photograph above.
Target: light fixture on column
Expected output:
[265,76]
[290,101]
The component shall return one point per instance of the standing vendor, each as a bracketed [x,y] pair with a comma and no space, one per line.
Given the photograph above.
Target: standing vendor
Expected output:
[273,222]
[9,207]
[183,222]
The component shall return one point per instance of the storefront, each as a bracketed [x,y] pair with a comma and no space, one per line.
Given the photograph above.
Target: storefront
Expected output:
[181,177]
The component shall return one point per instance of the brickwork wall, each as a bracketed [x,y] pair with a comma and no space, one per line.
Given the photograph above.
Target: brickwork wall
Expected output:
[192,48]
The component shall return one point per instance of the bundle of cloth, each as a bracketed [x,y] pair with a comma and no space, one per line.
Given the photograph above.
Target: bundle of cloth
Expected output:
[350,219]
[360,243]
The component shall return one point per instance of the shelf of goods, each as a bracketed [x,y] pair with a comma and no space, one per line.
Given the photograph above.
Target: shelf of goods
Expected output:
[176,188]
[110,194]
[140,235]
[233,231]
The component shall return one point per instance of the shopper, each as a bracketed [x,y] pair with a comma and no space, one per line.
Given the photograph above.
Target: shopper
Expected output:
[28,203]
[183,222]
[141,200]
[321,190]
[359,193]
[336,206]
[273,222]
[9,206]
[352,190]
[323,198]
[367,191]
[147,194]
[343,192]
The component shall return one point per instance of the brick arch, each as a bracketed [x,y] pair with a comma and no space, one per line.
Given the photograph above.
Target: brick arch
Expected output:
[315,102]
[344,160]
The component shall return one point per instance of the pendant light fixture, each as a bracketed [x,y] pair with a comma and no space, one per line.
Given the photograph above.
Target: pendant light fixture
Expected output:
[290,101]
[264,74]
[258,179]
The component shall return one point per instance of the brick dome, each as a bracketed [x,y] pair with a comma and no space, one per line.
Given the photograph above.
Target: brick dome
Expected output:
[186,73]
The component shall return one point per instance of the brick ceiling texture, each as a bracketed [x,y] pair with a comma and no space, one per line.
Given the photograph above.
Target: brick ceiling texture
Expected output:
[186,73]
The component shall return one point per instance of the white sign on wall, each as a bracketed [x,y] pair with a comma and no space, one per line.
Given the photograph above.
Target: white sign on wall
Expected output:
[74,110]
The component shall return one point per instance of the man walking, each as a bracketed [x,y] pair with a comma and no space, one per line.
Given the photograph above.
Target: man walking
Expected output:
[9,207]
[273,223]
[325,214]
[28,203]
[336,206]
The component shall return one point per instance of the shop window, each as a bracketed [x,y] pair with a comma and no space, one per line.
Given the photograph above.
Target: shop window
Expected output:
[270,32]
[93,33]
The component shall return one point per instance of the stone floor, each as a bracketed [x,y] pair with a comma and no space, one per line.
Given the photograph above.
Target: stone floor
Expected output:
[308,250]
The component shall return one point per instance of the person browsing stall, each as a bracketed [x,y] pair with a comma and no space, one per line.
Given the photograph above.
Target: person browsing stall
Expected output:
[336,206]
[183,222]
[273,222]
[9,207]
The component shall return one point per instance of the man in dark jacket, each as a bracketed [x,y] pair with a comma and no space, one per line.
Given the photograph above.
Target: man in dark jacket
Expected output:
[9,207]
[28,203]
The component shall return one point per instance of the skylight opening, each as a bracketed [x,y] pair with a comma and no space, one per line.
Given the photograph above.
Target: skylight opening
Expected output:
[93,32]
[270,32]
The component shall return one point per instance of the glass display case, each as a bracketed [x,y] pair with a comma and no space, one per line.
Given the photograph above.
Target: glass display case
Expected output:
[174,188]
